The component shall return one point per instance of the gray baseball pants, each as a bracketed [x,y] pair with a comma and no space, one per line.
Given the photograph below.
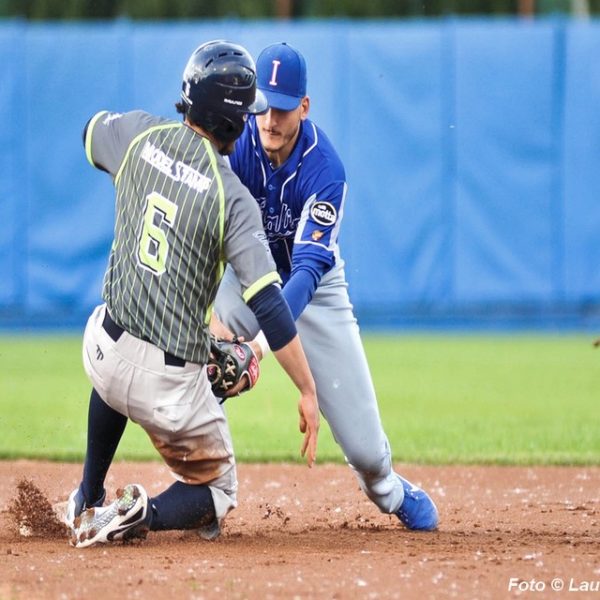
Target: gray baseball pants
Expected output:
[331,341]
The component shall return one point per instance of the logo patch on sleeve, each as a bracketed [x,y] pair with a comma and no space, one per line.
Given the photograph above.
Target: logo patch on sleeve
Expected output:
[323,213]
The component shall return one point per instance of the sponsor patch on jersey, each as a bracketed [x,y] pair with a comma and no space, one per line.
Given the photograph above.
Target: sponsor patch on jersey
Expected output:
[323,213]
[316,235]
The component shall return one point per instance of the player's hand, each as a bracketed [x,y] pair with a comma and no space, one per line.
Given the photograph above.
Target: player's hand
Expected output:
[241,386]
[308,407]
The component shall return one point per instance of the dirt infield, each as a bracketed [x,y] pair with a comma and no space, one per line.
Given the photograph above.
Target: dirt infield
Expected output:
[301,533]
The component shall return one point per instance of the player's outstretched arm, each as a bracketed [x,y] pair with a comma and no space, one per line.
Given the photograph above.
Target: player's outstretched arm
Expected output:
[275,319]
[291,357]
[293,360]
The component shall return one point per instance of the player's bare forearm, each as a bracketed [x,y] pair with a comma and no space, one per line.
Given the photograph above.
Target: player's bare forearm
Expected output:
[293,360]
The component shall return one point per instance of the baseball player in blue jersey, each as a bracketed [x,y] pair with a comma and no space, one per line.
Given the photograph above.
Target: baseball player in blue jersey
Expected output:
[291,168]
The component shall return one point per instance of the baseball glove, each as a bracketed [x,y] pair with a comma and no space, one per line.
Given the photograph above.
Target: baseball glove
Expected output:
[229,362]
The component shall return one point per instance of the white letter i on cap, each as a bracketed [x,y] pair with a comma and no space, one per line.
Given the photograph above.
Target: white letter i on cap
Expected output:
[276,64]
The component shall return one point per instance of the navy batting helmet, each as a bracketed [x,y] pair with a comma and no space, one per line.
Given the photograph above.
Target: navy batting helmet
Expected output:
[219,89]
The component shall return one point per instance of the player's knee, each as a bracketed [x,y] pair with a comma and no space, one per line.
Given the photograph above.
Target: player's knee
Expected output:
[374,465]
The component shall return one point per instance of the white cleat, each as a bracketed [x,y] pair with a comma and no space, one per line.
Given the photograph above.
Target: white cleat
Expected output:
[122,520]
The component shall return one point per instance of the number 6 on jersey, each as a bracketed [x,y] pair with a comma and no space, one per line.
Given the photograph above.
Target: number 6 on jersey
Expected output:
[154,245]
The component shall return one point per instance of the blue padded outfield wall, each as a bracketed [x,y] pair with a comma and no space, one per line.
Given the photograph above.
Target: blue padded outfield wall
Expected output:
[472,150]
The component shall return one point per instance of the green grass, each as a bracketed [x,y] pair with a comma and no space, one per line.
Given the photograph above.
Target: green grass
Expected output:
[443,399]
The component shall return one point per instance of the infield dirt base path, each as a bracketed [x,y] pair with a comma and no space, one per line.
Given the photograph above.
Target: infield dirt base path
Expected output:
[310,533]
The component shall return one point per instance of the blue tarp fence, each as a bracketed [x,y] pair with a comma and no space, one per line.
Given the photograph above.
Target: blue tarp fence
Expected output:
[472,150]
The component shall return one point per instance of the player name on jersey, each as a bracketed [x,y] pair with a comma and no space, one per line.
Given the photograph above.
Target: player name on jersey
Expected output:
[178,171]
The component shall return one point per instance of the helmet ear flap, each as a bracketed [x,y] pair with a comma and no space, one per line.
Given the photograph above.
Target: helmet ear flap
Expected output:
[230,128]
[219,89]
[226,128]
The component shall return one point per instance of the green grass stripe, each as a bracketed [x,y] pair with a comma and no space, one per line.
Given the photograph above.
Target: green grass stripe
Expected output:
[444,399]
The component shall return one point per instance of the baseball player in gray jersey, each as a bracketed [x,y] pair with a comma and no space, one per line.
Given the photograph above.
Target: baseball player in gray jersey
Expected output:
[180,212]
[292,169]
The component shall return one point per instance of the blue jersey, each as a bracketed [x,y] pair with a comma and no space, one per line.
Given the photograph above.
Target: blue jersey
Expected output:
[301,202]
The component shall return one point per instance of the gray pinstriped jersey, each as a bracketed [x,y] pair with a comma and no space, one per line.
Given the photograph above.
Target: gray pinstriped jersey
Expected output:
[180,212]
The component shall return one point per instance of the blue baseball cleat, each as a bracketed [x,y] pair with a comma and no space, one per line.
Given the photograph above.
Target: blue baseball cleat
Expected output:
[417,510]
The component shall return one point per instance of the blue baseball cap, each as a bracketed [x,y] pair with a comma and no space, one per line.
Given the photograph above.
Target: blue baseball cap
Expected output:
[281,76]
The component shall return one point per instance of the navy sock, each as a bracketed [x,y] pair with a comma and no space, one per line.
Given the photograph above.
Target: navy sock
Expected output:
[182,506]
[105,428]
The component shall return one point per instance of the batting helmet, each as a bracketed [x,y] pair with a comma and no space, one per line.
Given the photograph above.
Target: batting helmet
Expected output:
[219,89]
